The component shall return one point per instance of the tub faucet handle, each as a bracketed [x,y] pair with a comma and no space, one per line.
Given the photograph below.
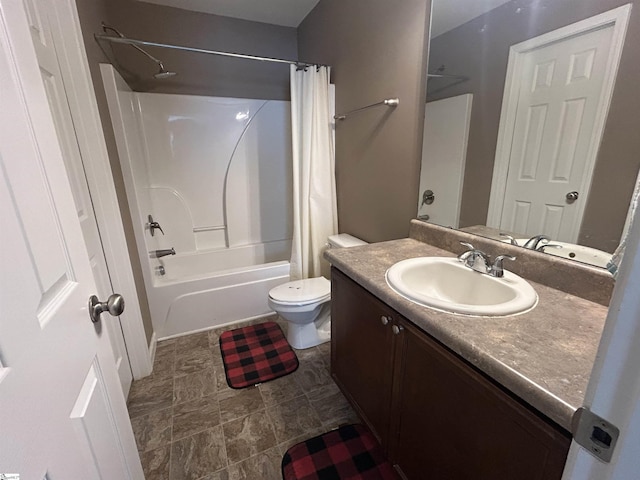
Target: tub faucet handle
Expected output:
[153,226]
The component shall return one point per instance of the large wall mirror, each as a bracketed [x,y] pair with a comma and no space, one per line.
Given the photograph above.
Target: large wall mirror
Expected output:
[529,122]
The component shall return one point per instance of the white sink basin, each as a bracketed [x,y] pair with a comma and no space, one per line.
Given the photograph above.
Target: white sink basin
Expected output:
[448,285]
[579,253]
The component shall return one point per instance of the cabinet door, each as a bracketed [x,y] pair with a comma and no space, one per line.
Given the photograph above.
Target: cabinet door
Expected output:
[362,352]
[453,423]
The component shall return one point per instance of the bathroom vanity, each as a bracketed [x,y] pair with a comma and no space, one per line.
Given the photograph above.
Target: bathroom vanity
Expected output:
[460,397]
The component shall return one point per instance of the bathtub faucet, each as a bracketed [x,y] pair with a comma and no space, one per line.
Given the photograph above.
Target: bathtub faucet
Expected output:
[164,253]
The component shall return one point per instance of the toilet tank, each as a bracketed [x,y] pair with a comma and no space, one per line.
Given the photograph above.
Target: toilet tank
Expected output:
[344,240]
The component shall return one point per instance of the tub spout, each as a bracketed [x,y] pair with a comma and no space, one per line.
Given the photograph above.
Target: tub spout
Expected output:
[164,253]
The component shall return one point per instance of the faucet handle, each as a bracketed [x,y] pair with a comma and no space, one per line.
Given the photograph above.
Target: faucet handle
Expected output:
[153,226]
[464,255]
[541,248]
[472,251]
[468,245]
[512,240]
[475,259]
[497,270]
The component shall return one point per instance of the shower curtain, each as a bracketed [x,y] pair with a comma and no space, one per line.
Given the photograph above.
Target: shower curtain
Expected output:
[314,189]
[616,259]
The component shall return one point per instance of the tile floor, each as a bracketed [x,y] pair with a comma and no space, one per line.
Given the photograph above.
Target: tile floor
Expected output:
[189,425]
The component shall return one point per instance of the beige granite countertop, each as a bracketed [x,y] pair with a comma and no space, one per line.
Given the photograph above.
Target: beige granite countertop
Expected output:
[543,356]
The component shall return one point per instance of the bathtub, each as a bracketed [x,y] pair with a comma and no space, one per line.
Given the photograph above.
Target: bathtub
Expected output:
[207,289]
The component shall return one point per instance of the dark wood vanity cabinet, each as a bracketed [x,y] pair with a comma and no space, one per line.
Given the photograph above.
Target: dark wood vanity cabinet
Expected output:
[435,415]
[362,352]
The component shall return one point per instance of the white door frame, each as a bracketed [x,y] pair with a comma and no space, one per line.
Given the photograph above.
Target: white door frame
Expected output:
[88,127]
[618,18]
[614,386]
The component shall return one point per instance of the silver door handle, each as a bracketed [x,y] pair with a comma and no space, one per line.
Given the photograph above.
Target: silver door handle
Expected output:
[385,320]
[572,196]
[114,305]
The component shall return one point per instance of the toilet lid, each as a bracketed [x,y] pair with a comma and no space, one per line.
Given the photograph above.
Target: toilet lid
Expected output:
[302,291]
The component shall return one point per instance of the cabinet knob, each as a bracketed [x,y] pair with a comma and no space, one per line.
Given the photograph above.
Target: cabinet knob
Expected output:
[397,329]
[384,319]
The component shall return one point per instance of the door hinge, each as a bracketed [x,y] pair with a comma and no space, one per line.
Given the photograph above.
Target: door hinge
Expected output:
[594,433]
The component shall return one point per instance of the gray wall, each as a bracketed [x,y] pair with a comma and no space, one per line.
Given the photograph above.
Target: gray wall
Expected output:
[377,49]
[482,56]
[198,74]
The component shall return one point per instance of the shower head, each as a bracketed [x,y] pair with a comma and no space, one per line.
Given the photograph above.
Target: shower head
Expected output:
[163,73]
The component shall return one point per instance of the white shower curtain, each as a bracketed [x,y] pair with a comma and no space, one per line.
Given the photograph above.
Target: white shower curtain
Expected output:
[616,259]
[314,189]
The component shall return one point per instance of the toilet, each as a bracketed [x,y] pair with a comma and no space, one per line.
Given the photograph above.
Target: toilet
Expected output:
[305,304]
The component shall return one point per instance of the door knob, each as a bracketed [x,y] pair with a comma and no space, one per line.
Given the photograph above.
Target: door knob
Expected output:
[572,196]
[114,305]
[385,320]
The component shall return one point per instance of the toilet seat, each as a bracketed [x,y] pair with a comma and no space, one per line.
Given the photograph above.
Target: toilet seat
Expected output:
[302,292]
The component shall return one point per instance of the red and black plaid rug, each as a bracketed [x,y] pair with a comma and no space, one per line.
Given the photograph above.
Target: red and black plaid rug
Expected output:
[256,354]
[350,452]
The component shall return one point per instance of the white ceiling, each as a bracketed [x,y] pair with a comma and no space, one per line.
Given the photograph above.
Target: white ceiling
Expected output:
[449,14]
[288,13]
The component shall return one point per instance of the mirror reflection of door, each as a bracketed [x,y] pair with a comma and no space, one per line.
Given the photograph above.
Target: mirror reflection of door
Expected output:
[444,153]
[471,52]
[557,92]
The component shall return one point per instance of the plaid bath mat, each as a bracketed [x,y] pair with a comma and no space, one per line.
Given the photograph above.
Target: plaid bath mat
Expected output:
[256,354]
[350,452]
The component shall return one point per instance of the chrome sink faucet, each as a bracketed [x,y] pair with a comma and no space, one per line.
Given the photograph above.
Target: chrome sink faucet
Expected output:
[534,242]
[479,261]
[475,259]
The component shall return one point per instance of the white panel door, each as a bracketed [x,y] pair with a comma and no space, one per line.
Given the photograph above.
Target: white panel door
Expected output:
[559,96]
[444,153]
[62,411]
[45,33]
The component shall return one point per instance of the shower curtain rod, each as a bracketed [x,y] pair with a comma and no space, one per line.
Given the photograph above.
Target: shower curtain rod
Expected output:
[134,42]
[390,102]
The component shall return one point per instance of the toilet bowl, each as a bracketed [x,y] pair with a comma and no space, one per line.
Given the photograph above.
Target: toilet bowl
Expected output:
[306,304]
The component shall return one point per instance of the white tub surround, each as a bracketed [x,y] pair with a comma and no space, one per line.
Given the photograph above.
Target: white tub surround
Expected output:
[215,173]
[219,169]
